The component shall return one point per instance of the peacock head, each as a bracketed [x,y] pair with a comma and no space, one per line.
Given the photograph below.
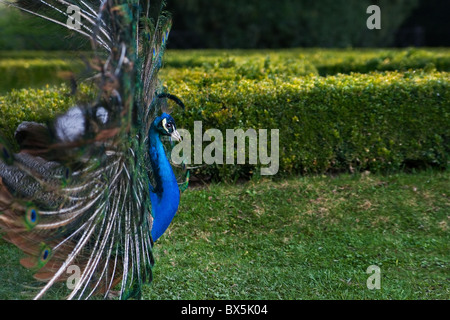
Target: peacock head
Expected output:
[165,125]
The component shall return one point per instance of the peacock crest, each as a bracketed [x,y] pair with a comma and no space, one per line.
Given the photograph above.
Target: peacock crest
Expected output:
[95,188]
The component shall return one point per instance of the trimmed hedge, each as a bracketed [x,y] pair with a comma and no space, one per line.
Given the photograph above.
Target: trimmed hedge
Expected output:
[376,121]
[24,69]
[16,73]
[331,62]
[323,61]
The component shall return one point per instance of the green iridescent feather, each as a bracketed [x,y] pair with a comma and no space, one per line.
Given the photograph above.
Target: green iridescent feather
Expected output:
[78,193]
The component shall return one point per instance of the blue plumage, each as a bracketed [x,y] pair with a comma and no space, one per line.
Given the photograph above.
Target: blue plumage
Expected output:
[165,197]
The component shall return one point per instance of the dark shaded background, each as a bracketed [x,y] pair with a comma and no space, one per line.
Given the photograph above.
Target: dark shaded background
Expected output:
[307,23]
[264,24]
[428,25]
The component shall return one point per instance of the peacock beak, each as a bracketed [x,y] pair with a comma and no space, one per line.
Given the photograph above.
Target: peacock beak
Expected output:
[176,136]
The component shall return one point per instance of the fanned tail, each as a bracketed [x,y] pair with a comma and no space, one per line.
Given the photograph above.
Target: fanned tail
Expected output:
[76,196]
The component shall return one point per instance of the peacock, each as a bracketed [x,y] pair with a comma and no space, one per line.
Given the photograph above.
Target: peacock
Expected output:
[95,187]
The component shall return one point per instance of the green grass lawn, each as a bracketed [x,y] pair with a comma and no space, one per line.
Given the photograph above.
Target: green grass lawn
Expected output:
[309,238]
[300,238]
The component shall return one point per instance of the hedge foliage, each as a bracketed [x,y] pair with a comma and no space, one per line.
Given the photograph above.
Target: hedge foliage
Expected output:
[322,61]
[393,113]
[24,69]
[330,62]
[376,120]
[34,72]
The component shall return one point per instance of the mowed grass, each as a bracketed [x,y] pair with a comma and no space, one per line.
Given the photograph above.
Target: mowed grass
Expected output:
[301,238]
[309,238]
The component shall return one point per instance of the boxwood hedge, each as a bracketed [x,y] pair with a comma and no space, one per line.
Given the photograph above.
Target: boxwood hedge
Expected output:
[24,69]
[376,120]
[322,61]
[34,72]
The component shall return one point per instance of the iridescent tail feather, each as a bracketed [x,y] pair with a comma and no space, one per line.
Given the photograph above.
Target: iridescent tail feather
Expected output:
[77,193]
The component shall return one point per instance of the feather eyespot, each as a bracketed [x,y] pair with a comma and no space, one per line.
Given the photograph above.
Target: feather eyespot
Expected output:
[31,217]
[44,255]
[66,175]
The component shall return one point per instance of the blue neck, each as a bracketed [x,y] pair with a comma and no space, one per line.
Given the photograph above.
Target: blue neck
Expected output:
[165,196]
